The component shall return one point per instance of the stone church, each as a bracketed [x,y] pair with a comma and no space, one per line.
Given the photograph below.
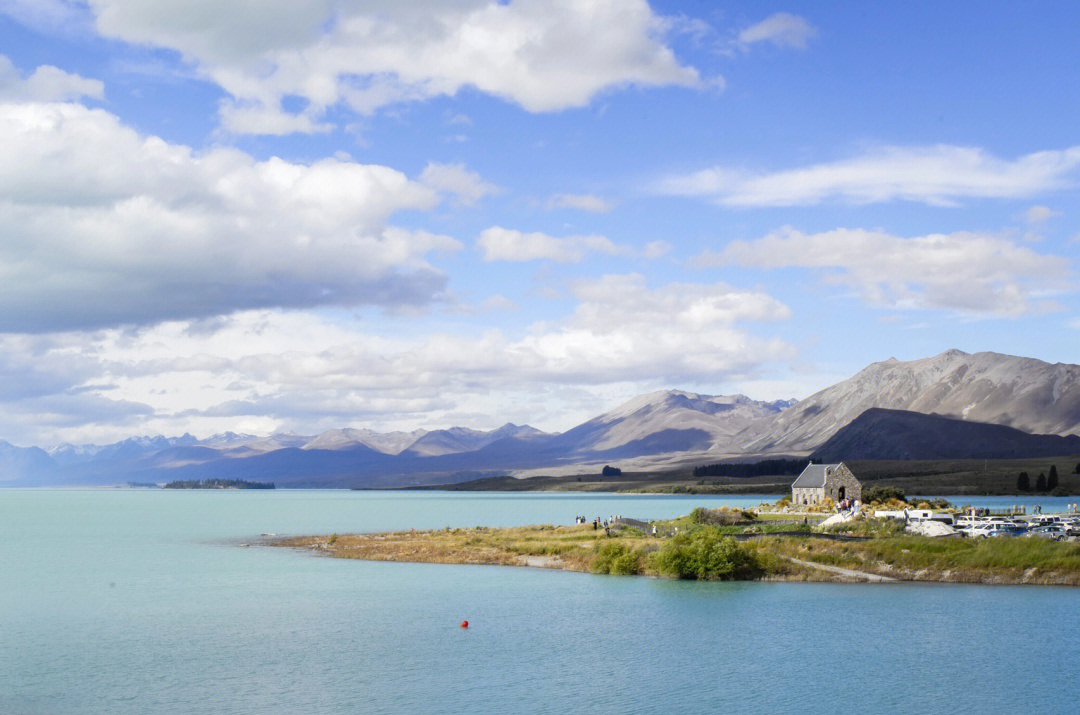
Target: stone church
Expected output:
[819,481]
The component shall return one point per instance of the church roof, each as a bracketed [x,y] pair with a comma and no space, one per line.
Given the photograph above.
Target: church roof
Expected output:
[813,476]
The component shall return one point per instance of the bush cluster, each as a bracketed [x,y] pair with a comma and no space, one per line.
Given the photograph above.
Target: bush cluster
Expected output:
[720,517]
[882,494]
[616,558]
[706,554]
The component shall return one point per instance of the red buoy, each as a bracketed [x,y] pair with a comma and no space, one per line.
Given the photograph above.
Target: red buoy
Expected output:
[464,624]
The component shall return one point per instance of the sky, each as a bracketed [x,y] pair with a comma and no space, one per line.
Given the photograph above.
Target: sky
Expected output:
[274,215]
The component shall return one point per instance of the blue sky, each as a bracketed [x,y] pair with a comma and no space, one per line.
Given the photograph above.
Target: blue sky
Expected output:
[294,216]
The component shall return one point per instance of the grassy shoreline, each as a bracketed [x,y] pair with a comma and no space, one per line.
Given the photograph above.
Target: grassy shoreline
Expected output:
[719,553]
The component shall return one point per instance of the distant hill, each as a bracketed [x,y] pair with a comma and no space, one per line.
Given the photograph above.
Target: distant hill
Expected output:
[666,421]
[21,465]
[901,434]
[462,439]
[666,429]
[385,442]
[1028,394]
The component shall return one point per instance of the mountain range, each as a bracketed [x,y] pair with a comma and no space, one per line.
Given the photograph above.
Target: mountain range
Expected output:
[880,410]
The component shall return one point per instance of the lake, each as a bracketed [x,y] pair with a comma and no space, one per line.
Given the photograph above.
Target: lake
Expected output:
[143,601]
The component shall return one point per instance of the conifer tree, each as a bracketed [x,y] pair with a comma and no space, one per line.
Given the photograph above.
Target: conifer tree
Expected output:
[1023,482]
[1040,483]
[1052,478]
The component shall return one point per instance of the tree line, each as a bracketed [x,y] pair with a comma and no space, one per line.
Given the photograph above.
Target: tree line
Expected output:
[1043,483]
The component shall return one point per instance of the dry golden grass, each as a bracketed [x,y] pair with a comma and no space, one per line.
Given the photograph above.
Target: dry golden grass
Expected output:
[571,548]
[917,558]
[574,548]
[565,547]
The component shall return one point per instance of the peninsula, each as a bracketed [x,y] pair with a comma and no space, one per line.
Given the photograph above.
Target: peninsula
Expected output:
[725,544]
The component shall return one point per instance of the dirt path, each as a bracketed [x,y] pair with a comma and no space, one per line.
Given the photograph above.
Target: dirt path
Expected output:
[849,573]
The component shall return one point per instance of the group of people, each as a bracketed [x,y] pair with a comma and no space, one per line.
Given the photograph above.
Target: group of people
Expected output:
[597,522]
[848,505]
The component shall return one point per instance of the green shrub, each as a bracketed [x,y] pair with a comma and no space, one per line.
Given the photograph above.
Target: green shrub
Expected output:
[867,527]
[332,540]
[616,558]
[882,494]
[705,554]
[720,517]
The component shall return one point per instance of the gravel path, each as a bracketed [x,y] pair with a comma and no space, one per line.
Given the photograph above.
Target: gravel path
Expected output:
[849,573]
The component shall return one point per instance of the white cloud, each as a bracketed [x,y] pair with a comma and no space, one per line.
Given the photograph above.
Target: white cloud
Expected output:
[492,304]
[259,371]
[105,226]
[781,29]
[254,118]
[581,202]
[468,186]
[45,84]
[967,272]
[498,302]
[541,54]
[937,175]
[655,249]
[1039,214]
[48,16]
[504,244]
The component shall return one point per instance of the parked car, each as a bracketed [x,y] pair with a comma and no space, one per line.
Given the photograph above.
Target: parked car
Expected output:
[987,530]
[1051,531]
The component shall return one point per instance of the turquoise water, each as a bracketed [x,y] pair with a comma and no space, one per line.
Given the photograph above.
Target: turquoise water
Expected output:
[129,601]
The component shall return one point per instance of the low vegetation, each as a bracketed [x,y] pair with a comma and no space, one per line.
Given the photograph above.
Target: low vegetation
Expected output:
[218,484]
[706,554]
[762,468]
[723,545]
[619,559]
[915,558]
[724,516]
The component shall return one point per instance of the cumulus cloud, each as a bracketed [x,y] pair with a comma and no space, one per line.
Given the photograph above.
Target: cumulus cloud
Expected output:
[624,330]
[48,16]
[467,186]
[259,371]
[781,29]
[939,175]
[104,226]
[1039,214]
[581,202]
[655,249]
[45,84]
[256,118]
[542,55]
[967,272]
[504,244]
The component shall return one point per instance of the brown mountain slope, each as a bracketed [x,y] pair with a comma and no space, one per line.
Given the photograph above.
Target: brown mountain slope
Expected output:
[1028,394]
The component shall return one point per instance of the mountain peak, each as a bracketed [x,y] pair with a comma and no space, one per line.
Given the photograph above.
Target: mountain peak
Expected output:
[1025,393]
